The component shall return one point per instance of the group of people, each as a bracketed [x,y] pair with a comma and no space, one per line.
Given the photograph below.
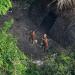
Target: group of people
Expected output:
[44,40]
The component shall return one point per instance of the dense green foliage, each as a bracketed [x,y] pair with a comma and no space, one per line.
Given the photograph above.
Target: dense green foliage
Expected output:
[12,60]
[61,64]
[5,5]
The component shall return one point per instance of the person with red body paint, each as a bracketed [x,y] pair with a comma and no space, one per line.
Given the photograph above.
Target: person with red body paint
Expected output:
[32,36]
[45,42]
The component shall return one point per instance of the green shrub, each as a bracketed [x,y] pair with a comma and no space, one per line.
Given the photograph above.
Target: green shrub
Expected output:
[12,60]
[5,5]
[62,64]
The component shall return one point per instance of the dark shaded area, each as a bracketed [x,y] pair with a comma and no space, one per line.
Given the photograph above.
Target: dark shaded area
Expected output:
[48,22]
[42,15]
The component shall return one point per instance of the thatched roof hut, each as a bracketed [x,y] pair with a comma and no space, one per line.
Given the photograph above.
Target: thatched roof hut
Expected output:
[65,4]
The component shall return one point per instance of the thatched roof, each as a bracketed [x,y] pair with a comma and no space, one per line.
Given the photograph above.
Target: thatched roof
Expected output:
[65,4]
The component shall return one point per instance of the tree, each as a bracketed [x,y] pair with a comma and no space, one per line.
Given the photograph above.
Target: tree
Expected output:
[5,5]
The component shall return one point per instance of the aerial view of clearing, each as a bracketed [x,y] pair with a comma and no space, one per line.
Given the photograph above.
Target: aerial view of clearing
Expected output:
[37,37]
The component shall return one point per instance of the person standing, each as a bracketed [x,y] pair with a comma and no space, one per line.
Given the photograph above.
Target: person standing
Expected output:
[32,37]
[45,42]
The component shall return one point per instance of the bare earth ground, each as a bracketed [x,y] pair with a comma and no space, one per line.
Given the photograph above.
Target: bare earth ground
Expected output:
[21,29]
